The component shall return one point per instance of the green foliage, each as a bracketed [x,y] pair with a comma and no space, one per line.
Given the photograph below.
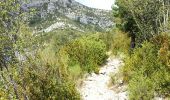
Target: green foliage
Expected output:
[27,71]
[75,72]
[121,43]
[89,52]
[162,42]
[63,37]
[141,88]
[142,19]
[123,18]
[108,38]
[147,68]
[145,73]
[35,19]
[42,77]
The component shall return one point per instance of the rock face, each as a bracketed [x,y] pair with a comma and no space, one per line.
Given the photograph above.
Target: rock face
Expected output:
[74,11]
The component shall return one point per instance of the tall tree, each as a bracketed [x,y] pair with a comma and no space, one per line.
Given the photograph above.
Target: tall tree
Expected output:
[124,20]
[144,18]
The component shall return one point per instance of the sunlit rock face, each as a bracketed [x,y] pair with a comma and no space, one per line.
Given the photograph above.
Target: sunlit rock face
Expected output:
[72,10]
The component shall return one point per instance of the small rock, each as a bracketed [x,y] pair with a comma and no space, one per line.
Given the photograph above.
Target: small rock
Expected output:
[103,73]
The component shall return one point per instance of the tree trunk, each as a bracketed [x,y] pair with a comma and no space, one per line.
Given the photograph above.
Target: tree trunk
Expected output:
[132,44]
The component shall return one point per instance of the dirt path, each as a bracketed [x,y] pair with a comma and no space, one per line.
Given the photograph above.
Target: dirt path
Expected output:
[95,86]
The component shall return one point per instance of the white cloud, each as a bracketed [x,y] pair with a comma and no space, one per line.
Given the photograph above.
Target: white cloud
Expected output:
[101,4]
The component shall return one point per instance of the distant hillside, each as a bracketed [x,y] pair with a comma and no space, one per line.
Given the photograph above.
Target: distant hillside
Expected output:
[61,14]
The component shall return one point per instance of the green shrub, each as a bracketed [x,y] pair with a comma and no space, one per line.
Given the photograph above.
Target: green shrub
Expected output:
[88,52]
[121,43]
[145,73]
[161,78]
[42,77]
[162,42]
[107,38]
[57,39]
[48,77]
[141,88]
[144,58]
[75,71]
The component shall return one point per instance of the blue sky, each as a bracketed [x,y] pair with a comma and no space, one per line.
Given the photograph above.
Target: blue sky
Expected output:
[101,4]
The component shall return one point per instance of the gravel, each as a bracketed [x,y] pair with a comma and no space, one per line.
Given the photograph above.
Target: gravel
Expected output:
[95,86]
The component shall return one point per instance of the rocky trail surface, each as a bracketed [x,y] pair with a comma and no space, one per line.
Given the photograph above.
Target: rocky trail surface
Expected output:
[96,86]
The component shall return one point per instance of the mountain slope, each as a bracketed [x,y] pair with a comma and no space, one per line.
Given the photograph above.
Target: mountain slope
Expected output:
[68,14]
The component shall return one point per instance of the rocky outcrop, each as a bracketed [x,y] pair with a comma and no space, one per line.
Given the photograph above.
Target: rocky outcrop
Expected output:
[74,11]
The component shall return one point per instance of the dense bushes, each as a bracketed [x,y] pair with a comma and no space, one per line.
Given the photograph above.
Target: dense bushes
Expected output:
[146,69]
[88,52]
[42,77]
[141,88]
[146,73]
[66,56]
[120,43]
[138,70]
[107,38]
[144,58]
